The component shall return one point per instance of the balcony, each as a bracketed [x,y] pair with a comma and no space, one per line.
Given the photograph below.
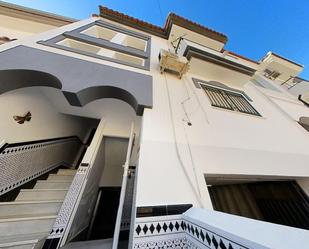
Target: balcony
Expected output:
[93,60]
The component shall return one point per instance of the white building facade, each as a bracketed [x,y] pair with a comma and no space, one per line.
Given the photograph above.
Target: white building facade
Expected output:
[119,133]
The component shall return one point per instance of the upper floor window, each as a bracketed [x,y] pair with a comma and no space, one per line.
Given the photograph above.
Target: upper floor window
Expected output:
[230,100]
[271,74]
[106,41]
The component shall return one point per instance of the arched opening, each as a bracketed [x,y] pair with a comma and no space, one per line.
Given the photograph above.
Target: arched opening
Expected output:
[12,79]
[90,94]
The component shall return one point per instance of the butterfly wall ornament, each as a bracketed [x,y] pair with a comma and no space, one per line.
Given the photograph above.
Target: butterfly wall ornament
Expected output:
[22,119]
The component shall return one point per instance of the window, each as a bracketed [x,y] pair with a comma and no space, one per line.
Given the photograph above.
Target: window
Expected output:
[228,100]
[106,41]
[99,51]
[271,74]
[116,37]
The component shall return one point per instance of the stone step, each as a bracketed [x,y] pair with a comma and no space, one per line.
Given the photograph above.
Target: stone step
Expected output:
[60,177]
[41,194]
[22,237]
[22,226]
[30,244]
[50,184]
[24,241]
[95,244]
[28,208]
[92,244]
[70,172]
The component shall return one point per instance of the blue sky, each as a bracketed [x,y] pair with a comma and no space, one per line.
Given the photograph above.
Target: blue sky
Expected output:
[253,27]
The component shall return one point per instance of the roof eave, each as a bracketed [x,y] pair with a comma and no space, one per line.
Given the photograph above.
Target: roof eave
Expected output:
[158,31]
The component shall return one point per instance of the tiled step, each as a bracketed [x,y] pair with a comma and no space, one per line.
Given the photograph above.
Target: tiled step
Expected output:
[41,194]
[50,184]
[28,208]
[60,177]
[22,226]
[70,172]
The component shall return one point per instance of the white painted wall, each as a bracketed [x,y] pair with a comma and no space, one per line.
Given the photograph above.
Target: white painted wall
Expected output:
[46,121]
[115,150]
[300,88]
[248,233]
[221,142]
[17,28]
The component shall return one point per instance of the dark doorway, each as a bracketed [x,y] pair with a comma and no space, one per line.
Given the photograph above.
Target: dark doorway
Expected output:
[104,223]
[103,226]
[281,202]
[91,135]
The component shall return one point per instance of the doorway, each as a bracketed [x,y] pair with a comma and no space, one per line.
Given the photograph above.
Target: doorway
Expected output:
[115,150]
[281,202]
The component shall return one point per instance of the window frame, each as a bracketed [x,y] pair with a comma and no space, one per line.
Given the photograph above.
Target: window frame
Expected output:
[78,36]
[228,99]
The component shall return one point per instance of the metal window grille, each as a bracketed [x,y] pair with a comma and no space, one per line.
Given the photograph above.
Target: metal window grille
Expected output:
[229,100]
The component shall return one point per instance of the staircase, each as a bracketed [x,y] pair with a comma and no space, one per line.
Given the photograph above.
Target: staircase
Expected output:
[27,221]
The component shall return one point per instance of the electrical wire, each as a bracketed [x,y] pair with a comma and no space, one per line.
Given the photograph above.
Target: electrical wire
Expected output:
[197,193]
[160,10]
[200,104]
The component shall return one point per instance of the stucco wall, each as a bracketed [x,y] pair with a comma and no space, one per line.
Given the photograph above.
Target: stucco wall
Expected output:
[220,142]
[46,122]
[17,28]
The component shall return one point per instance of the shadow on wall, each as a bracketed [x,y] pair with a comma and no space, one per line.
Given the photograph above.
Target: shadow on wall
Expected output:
[46,122]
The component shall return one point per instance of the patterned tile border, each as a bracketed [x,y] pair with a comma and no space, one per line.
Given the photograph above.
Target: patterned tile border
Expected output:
[177,232]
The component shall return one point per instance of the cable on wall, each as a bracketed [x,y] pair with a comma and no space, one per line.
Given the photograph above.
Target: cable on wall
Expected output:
[198,101]
[188,122]
[197,193]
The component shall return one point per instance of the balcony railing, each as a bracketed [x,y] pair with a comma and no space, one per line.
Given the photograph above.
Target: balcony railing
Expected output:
[201,228]
[293,81]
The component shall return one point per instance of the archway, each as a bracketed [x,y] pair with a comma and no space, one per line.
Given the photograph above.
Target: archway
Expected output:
[12,79]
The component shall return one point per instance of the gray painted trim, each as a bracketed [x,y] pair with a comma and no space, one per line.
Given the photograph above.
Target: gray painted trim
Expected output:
[203,55]
[101,57]
[197,82]
[78,36]
[12,79]
[106,44]
[117,28]
[81,81]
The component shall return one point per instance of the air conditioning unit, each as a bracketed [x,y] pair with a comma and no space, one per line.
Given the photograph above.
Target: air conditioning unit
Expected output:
[173,62]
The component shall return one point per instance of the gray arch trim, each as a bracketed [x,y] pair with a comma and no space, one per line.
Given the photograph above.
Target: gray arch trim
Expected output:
[79,77]
[90,94]
[12,79]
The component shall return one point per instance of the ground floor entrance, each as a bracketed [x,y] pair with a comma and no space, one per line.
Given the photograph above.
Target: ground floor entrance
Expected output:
[280,202]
